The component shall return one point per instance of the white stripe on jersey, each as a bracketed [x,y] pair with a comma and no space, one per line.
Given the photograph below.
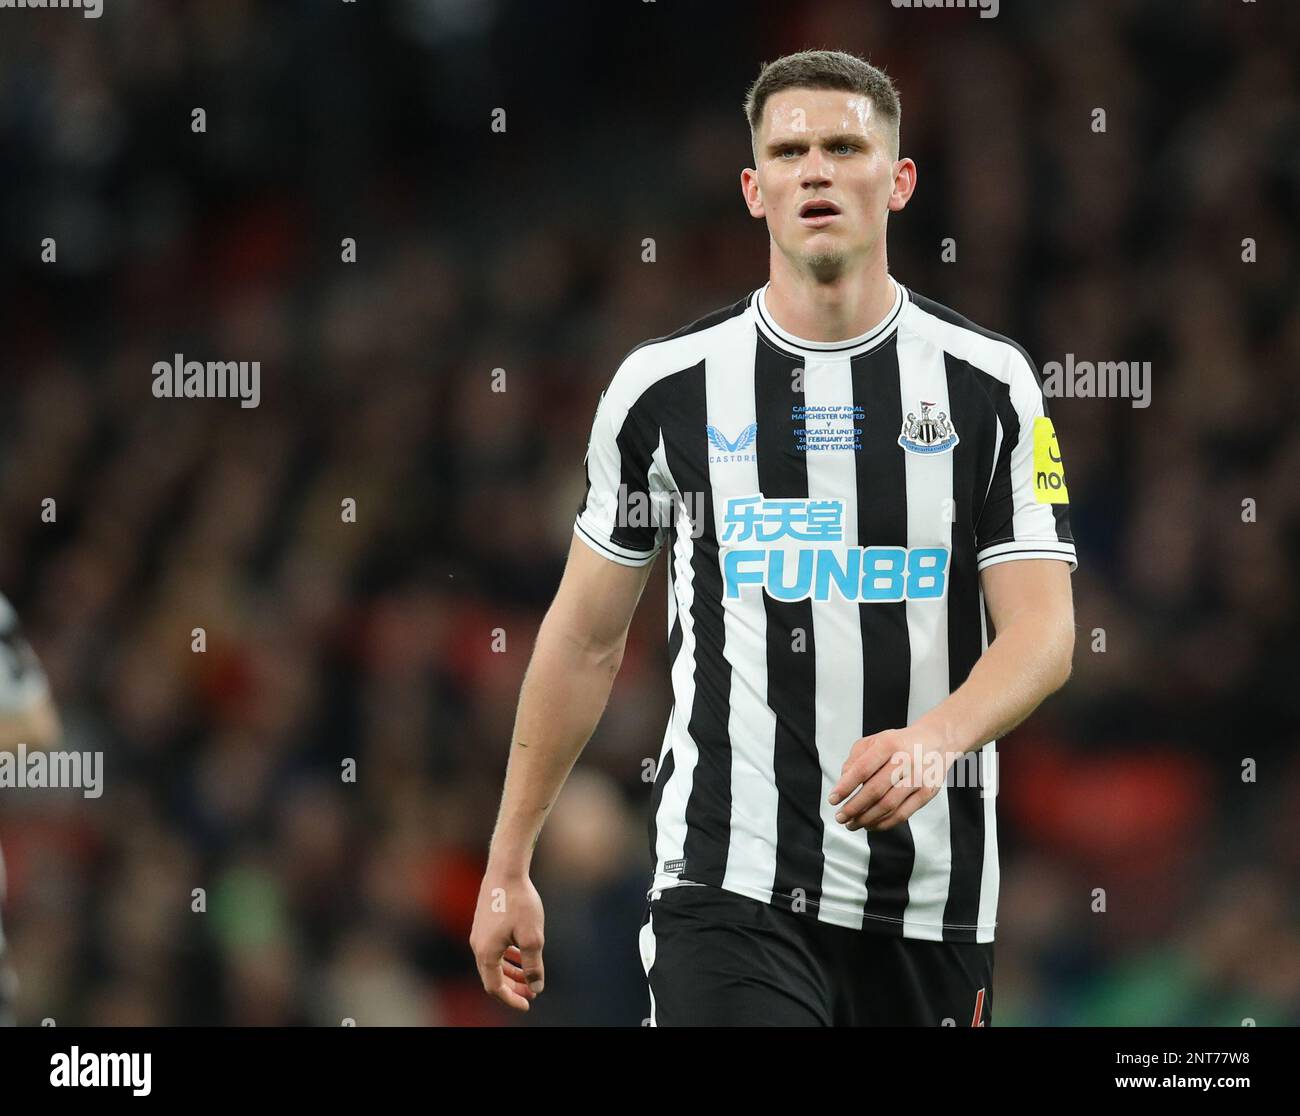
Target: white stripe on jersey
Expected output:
[829,381]
[751,859]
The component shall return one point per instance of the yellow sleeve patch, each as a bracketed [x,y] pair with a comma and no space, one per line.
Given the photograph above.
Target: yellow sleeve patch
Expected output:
[1049,472]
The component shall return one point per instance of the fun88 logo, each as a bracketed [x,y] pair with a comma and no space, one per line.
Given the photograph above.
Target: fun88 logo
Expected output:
[796,552]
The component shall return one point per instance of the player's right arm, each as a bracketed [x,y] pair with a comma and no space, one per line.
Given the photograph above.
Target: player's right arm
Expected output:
[578,652]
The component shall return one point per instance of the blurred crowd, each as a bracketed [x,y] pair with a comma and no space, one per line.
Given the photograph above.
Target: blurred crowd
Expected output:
[235,871]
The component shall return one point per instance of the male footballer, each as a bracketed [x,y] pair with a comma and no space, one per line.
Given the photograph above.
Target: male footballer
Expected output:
[864,509]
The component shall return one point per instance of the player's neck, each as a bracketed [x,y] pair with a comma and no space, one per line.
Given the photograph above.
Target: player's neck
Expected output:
[838,310]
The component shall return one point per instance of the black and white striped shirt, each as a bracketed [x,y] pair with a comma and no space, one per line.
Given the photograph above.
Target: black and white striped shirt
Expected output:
[829,507]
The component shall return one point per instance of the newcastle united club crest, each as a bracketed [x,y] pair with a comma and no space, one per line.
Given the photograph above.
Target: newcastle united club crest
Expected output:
[928,434]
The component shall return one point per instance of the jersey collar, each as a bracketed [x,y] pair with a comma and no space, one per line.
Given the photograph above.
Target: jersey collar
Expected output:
[783,339]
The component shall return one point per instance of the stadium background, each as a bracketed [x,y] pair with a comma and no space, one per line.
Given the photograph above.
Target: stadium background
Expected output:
[523,251]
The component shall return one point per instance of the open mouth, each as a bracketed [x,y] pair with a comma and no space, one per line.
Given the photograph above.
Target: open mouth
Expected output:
[815,213]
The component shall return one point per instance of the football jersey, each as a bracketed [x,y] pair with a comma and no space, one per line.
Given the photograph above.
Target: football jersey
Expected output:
[827,508]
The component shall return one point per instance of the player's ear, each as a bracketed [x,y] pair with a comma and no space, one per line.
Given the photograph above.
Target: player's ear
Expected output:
[749,190]
[904,184]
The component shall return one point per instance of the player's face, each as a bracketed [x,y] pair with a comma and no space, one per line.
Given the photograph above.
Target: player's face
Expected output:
[822,144]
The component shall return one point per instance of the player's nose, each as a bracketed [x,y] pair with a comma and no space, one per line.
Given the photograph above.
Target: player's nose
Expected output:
[817,169]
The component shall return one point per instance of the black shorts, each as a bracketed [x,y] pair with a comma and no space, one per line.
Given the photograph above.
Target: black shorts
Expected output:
[717,959]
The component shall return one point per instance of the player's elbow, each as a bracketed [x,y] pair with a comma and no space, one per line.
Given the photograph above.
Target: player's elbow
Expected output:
[582,646]
[1063,657]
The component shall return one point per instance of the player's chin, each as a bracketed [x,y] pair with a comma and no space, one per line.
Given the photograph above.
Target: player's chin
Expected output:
[825,258]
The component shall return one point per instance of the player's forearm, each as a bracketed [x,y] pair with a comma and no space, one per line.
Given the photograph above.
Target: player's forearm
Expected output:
[560,703]
[1025,663]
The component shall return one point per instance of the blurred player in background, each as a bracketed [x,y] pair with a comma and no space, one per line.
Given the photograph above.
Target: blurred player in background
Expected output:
[27,716]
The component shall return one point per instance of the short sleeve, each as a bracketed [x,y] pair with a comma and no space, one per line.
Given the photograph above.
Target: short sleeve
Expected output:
[1026,513]
[626,511]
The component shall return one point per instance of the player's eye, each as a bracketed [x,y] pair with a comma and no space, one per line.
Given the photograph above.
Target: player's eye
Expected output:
[787,151]
[847,147]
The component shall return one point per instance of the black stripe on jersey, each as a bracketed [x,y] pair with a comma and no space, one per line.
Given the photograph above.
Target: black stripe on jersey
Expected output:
[969,408]
[1060,512]
[791,674]
[665,771]
[1000,501]
[886,648]
[637,441]
[681,403]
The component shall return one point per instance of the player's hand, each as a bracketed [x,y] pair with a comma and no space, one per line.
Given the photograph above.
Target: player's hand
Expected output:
[889,776]
[507,939]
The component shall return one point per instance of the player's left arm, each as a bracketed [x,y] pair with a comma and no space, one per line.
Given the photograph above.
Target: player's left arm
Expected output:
[1032,609]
